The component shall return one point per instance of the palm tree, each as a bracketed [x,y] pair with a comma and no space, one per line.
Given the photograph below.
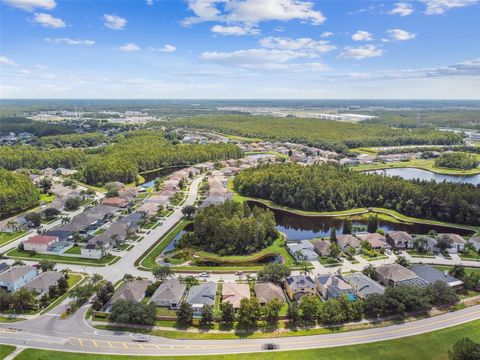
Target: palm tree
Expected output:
[306,269]
[65,220]
[14,225]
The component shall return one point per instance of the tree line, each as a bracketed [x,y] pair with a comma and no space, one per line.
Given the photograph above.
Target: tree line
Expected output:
[330,187]
[17,193]
[37,128]
[325,134]
[457,160]
[73,140]
[231,229]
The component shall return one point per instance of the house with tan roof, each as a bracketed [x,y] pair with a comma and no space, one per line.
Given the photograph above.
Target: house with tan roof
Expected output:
[130,291]
[41,284]
[395,274]
[346,240]
[399,239]
[268,291]
[234,293]
[457,242]
[376,240]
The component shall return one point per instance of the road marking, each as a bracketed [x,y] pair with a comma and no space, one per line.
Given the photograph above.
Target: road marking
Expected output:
[94,343]
[12,331]
[80,341]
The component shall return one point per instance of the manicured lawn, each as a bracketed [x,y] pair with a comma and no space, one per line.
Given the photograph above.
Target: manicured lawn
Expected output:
[429,346]
[148,259]
[73,279]
[5,238]
[75,250]
[16,254]
[45,198]
[472,255]
[6,319]
[328,261]
[415,253]
[373,258]
[6,350]
[163,311]
[468,270]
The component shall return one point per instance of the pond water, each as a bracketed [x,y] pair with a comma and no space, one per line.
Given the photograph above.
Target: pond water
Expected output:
[300,227]
[412,173]
[150,176]
[171,246]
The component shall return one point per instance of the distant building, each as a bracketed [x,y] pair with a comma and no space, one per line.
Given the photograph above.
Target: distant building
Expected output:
[345,241]
[322,247]
[376,241]
[458,242]
[302,251]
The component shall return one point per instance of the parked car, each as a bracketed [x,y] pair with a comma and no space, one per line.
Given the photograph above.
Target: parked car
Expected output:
[141,338]
[204,274]
[239,273]
[270,346]
[388,252]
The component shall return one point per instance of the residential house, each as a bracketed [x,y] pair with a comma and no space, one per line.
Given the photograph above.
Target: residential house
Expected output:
[149,209]
[3,266]
[431,244]
[202,294]
[169,294]
[431,275]
[395,274]
[475,242]
[234,293]
[346,241]
[39,243]
[268,291]
[297,286]
[302,251]
[131,290]
[41,284]
[376,240]
[116,201]
[362,285]
[61,233]
[332,287]
[458,242]
[16,277]
[399,240]
[322,247]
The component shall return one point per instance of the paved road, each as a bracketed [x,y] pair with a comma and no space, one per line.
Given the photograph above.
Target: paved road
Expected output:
[74,334]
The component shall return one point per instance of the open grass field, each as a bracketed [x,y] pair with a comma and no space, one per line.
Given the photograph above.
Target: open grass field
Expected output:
[5,350]
[24,255]
[5,238]
[429,346]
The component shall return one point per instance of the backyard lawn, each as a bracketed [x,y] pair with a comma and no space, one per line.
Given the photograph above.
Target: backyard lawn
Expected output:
[15,253]
[5,237]
[431,346]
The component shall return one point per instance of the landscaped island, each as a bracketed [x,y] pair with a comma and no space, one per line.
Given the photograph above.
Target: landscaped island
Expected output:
[335,188]
[231,229]
[458,160]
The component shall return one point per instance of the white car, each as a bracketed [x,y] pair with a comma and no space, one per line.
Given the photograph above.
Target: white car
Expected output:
[204,274]
[141,338]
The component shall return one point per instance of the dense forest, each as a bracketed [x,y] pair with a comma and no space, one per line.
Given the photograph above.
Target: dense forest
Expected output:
[134,152]
[17,193]
[457,160]
[466,119]
[331,187]
[231,229]
[428,149]
[326,134]
[20,124]
[147,150]
[30,157]
[72,140]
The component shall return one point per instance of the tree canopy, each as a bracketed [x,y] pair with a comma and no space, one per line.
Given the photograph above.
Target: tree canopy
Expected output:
[17,193]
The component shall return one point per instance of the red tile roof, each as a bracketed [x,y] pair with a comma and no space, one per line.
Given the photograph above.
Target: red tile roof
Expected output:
[42,239]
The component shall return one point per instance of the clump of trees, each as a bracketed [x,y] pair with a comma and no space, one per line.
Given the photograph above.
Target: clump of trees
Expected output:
[231,229]
[330,187]
[457,160]
[17,193]
[130,312]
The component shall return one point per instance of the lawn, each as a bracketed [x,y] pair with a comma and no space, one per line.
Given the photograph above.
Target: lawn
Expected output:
[148,259]
[472,255]
[468,270]
[429,346]
[6,350]
[5,238]
[46,198]
[25,255]
[328,261]
[74,250]
[414,253]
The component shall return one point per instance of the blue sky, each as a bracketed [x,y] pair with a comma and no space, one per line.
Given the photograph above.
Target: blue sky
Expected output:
[423,49]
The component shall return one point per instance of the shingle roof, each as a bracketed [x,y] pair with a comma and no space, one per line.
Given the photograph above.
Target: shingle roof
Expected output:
[234,293]
[130,290]
[395,272]
[41,239]
[202,294]
[454,237]
[363,284]
[44,280]
[266,292]
[16,272]
[171,290]
[300,281]
[431,275]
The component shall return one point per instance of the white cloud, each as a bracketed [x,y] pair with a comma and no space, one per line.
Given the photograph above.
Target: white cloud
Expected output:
[402,9]
[361,35]
[303,44]
[168,48]
[149,2]
[47,20]
[6,61]
[69,41]
[361,52]
[30,5]
[400,35]
[436,7]
[129,47]
[114,22]
[252,11]
[235,30]
[327,34]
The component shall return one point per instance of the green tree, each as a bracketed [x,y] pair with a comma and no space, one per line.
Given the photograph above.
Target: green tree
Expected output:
[185,314]
[248,313]
[293,313]
[441,294]
[188,211]
[464,349]
[72,203]
[34,218]
[444,243]
[228,313]
[273,272]
[130,312]
[162,272]
[347,226]
[46,265]
[62,285]
[403,261]
[457,271]
[45,184]
[207,315]
[333,235]
[271,312]
[309,308]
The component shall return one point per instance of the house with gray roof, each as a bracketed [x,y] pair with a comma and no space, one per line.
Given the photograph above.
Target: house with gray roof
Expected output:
[431,275]
[362,285]
[475,242]
[16,277]
[399,239]
[457,242]
[302,250]
[202,294]
[169,294]
[42,282]
[3,266]
[130,291]
[395,274]
[322,247]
